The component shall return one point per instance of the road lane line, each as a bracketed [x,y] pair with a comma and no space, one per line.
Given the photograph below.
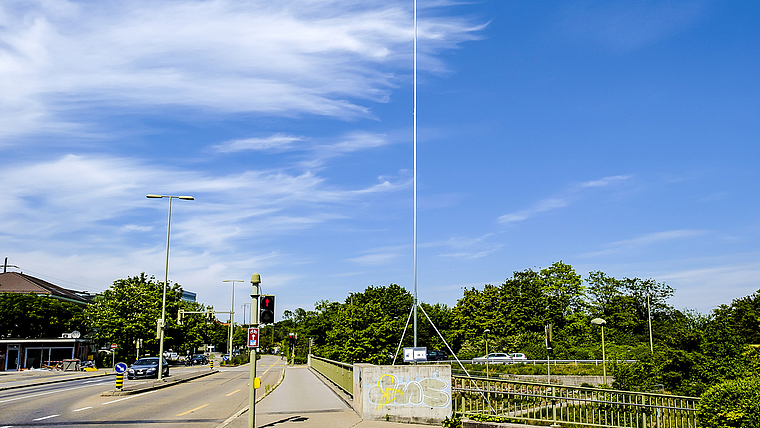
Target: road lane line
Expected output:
[51,392]
[46,417]
[237,390]
[131,396]
[191,411]
[83,408]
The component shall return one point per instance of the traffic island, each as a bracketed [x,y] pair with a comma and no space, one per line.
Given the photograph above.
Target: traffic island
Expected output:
[158,384]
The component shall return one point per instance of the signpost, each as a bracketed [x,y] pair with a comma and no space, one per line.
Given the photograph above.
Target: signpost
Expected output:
[253,337]
[120,368]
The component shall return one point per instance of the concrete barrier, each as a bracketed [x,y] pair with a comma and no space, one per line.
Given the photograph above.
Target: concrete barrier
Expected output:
[416,394]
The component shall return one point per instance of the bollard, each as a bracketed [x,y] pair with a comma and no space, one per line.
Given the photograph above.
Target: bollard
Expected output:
[212,364]
[119,381]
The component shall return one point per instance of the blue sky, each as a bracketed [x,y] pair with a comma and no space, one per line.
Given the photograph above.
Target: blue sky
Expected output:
[615,136]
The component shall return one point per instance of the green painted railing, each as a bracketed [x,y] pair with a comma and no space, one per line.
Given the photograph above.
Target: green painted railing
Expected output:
[566,405]
[341,374]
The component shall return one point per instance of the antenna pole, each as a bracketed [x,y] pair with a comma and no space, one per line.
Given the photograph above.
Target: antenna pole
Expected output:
[415,173]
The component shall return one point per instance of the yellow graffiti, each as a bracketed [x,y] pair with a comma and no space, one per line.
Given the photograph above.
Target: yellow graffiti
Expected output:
[390,393]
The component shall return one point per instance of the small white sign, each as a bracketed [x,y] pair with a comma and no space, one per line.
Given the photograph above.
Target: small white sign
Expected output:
[412,355]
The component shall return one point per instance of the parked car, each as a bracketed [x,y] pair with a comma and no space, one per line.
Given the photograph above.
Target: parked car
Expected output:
[437,356]
[147,367]
[518,356]
[495,358]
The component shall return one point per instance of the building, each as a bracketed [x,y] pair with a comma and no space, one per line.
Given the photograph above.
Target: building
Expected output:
[188,296]
[26,353]
[17,282]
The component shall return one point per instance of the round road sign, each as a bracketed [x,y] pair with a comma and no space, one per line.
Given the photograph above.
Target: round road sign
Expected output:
[114,346]
[120,368]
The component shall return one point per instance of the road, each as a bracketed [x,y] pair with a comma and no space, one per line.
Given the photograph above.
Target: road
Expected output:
[204,402]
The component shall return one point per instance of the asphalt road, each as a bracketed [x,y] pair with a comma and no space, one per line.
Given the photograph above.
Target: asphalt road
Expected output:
[204,402]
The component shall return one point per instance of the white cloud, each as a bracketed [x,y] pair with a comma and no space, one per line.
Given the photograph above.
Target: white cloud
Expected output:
[273,143]
[572,194]
[646,241]
[59,58]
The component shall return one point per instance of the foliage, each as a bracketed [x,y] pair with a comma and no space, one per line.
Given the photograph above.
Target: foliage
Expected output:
[129,309]
[734,403]
[33,316]
[452,421]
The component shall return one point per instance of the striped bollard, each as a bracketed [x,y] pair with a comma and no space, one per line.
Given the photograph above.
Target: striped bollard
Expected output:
[119,381]
[212,364]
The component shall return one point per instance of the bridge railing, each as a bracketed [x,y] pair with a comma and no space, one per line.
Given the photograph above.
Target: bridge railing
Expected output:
[341,374]
[567,405]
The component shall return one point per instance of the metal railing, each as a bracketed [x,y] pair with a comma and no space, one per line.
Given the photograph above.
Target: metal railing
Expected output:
[566,405]
[341,374]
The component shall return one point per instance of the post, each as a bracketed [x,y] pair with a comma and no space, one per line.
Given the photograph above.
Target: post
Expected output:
[119,381]
[255,281]
[604,359]
[649,315]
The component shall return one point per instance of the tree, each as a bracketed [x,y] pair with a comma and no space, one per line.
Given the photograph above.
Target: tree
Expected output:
[129,309]
[30,316]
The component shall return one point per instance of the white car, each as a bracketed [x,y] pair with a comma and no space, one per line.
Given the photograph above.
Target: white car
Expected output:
[495,358]
[518,356]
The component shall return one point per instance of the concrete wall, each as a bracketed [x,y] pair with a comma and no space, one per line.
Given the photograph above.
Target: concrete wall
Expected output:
[416,394]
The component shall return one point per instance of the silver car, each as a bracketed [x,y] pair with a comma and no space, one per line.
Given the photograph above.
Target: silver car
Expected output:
[495,358]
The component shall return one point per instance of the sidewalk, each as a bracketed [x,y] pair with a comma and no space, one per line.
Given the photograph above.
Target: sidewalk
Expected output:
[302,400]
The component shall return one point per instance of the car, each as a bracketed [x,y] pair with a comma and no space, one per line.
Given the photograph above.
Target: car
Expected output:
[518,356]
[437,355]
[146,367]
[197,360]
[494,358]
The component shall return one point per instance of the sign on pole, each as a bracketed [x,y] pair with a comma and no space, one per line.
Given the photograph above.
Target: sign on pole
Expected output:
[114,346]
[120,368]
[415,354]
[253,337]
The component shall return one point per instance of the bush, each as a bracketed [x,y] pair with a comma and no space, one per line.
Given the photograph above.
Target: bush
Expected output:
[731,404]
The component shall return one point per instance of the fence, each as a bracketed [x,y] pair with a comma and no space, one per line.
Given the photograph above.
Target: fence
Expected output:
[565,405]
[341,374]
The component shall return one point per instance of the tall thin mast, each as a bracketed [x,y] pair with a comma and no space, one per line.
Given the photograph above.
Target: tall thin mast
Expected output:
[415,173]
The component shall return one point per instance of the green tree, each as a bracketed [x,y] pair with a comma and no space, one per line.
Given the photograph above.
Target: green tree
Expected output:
[129,309]
[32,316]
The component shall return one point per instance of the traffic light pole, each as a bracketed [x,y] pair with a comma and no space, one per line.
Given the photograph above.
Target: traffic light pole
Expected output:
[255,281]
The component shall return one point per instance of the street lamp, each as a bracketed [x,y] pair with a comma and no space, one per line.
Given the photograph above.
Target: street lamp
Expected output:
[485,332]
[232,315]
[601,322]
[161,321]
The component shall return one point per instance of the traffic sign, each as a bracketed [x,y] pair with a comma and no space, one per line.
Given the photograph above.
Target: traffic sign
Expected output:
[114,346]
[120,368]
[253,337]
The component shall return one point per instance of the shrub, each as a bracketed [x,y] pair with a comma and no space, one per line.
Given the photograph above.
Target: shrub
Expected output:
[731,404]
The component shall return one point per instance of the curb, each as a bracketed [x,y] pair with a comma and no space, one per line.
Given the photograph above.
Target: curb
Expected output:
[159,385]
[245,409]
[47,382]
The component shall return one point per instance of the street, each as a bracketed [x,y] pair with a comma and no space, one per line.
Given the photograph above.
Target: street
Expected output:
[204,402]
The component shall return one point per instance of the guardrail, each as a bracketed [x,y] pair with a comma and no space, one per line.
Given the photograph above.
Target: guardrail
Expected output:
[541,402]
[341,374]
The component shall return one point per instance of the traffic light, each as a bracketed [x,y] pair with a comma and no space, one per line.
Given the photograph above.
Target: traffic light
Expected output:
[210,315]
[266,309]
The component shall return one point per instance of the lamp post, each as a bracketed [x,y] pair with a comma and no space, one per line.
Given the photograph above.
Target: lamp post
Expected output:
[485,332]
[601,322]
[232,315]
[161,321]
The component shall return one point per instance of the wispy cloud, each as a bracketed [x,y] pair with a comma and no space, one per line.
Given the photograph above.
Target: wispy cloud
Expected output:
[322,57]
[568,197]
[274,143]
[646,241]
[624,26]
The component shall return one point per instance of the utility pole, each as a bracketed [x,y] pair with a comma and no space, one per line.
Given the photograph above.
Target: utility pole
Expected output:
[255,281]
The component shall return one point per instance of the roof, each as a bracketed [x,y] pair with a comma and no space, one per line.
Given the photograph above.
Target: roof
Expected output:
[16,282]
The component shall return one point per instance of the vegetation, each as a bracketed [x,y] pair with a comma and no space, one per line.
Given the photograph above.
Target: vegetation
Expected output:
[33,316]
[693,354]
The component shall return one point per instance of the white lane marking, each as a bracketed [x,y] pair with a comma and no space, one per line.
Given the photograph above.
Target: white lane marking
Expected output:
[46,417]
[83,408]
[51,392]
[7,426]
[131,396]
